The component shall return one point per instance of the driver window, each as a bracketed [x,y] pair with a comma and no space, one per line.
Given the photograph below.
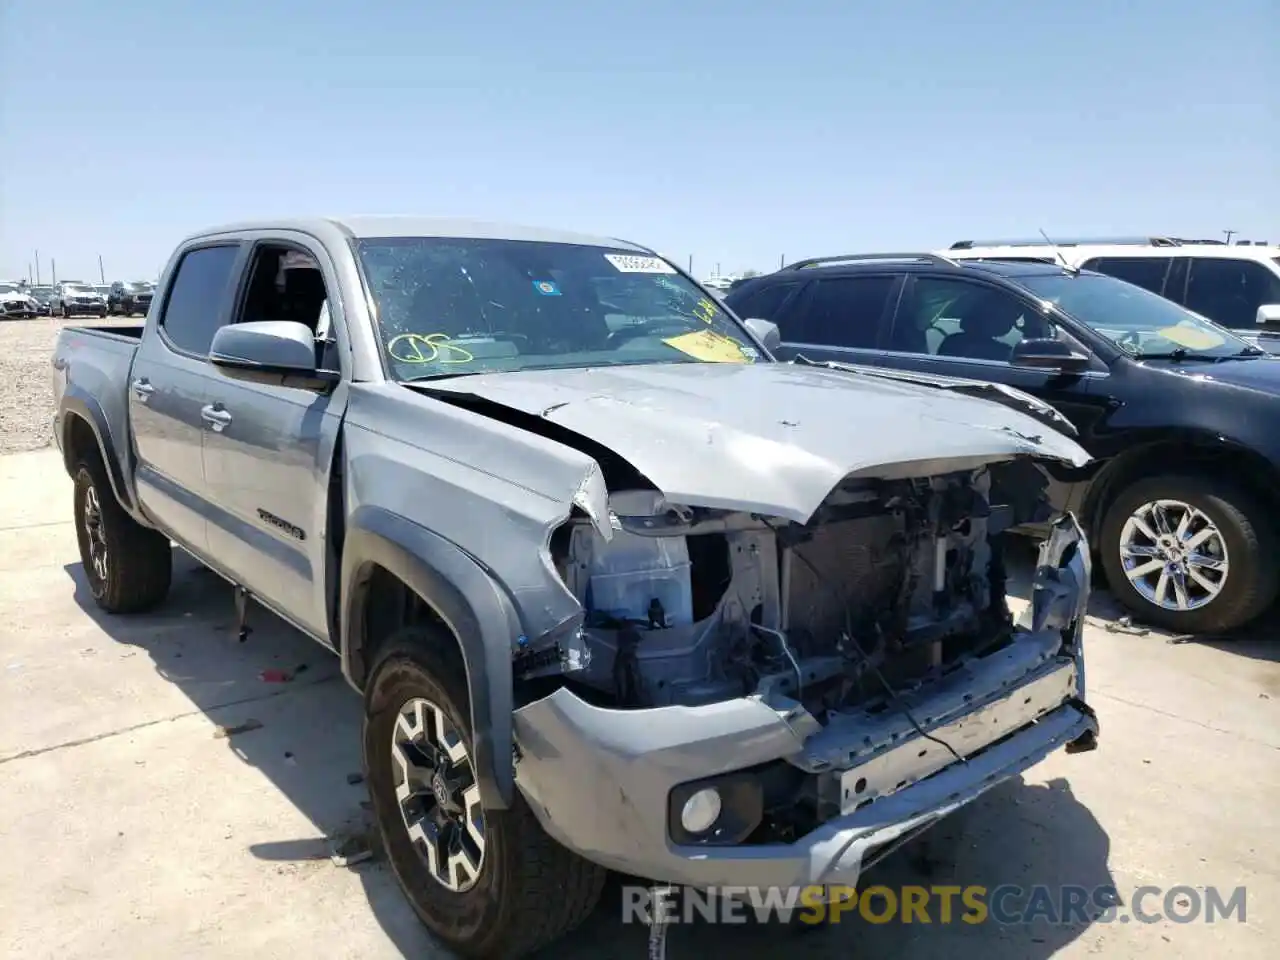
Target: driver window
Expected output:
[948,317]
[284,284]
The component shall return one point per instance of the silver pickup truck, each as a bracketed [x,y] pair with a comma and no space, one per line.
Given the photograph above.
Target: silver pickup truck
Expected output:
[620,590]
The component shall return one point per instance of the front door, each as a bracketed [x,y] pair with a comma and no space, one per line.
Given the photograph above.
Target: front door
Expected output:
[963,327]
[166,393]
[269,449]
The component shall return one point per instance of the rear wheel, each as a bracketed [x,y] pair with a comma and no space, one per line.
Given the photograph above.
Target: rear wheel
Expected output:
[1190,554]
[128,566]
[489,883]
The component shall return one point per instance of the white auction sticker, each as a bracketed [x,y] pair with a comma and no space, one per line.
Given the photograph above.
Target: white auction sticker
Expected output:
[630,263]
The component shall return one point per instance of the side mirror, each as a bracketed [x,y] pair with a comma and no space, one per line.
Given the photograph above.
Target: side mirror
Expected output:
[766,331]
[277,352]
[1269,314]
[1047,355]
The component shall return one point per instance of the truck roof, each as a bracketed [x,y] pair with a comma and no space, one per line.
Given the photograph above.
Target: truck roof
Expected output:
[416,226]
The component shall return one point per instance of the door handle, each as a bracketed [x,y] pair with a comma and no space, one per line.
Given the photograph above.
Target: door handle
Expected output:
[215,416]
[142,389]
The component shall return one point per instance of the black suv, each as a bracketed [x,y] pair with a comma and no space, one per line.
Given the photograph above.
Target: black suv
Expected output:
[129,298]
[1181,413]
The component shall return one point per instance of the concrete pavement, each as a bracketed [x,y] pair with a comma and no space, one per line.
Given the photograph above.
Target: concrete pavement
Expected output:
[131,829]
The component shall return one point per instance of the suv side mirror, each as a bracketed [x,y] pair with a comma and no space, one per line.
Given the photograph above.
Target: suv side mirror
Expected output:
[1269,314]
[1047,354]
[766,331]
[277,352]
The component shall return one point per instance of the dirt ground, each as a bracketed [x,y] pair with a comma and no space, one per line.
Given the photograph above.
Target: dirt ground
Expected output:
[131,829]
[26,395]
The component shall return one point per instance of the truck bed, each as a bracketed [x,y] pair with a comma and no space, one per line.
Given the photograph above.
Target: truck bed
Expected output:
[91,368]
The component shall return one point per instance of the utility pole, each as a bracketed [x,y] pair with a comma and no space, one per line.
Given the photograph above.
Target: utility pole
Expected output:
[30,275]
[1230,234]
[102,277]
[717,268]
[691,264]
[53,268]
[37,268]
[782,260]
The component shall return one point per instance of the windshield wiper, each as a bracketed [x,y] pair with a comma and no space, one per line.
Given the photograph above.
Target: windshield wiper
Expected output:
[1182,354]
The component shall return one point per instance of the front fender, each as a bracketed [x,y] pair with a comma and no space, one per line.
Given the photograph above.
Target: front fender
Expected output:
[470,603]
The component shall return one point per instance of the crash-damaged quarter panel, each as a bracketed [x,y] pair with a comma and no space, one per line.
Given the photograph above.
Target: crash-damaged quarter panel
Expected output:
[836,684]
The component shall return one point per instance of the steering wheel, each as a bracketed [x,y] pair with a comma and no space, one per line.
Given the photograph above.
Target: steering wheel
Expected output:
[1131,337]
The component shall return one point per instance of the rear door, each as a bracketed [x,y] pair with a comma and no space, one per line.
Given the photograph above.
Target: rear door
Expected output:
[842,318]
[166,391]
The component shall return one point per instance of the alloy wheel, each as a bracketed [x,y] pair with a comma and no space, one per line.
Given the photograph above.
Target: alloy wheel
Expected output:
[1174,555]
[437,794]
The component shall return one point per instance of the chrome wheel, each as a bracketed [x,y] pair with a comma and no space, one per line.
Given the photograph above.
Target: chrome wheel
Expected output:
[1174,555]
[95,534]
[437,794]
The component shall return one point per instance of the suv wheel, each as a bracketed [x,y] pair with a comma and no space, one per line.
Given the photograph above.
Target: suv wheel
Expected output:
[128,566]
[1190,554]
[489,883]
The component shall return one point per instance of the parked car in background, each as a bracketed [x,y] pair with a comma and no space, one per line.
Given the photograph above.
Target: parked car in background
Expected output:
[73,298]
[621,591]
[1236,285]
[1184,513]
[16,303]
[130,298]
[42,294]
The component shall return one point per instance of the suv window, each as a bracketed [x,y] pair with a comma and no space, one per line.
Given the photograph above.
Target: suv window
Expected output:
[1146,272]
[841,312]
[762,303]
[1230,292]
[951,317]
[193,311]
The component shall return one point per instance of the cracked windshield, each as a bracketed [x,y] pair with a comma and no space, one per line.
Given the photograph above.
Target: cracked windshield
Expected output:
[448,307]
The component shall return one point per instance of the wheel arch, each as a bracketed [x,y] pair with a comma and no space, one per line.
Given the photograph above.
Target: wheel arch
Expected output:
[1193,454]
[396,573]
[84,432]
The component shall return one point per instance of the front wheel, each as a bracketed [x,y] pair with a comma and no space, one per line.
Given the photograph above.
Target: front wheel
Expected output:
[1190,554]
[489,883]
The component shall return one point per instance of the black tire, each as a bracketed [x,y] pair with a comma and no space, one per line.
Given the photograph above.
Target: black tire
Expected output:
[138,560]
[66,312]
[530,890]
[1253,575]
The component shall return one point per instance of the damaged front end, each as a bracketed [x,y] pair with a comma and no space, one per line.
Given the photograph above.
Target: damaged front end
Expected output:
[754,700]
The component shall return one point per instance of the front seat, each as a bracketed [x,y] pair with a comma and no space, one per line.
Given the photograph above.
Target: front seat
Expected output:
[990,318]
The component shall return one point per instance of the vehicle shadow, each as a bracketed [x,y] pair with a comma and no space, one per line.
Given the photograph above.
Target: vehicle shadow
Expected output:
[303,735]
[1019,836]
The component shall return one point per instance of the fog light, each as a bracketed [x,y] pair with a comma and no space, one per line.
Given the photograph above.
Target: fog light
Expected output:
[701,810]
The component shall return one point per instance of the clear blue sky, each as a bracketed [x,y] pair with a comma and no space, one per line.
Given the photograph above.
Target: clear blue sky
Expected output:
[735,132]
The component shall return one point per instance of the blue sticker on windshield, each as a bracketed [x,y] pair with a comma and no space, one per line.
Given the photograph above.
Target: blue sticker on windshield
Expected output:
[546,288]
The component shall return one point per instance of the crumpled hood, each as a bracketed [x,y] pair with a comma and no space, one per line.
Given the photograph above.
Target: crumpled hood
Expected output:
[773,438]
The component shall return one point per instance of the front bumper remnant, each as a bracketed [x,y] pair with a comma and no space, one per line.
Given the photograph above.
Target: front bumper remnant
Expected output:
[599,779]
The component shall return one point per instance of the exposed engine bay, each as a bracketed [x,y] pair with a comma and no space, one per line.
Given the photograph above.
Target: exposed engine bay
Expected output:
[891,584]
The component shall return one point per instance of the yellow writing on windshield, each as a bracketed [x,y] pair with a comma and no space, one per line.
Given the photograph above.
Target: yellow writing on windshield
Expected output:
[428,348]
[1193,338]
[705,310]
[708,346]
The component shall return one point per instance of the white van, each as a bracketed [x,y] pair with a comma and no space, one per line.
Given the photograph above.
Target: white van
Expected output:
[1236,285]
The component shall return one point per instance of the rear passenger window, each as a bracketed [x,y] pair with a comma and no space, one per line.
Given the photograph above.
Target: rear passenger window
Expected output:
[842,312]
[194,308]
[1230,291]
[762,304]
[1146,272]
